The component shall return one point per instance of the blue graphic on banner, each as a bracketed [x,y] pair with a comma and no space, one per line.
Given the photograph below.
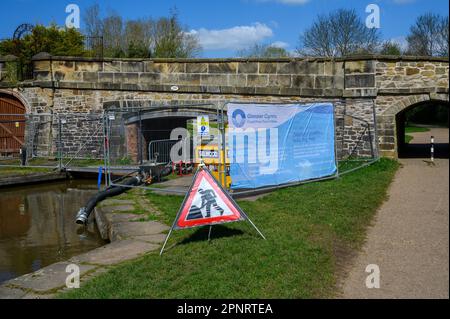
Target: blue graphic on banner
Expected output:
[279,144]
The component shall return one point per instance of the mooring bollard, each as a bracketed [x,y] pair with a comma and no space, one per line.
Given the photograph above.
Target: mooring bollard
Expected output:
[432,148]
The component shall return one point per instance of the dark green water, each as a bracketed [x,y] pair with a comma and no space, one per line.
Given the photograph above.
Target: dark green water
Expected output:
[37,226]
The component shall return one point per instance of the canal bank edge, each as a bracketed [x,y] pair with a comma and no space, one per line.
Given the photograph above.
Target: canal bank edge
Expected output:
[129,239]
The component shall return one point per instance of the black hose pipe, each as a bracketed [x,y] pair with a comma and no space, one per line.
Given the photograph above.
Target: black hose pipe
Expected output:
[84,212]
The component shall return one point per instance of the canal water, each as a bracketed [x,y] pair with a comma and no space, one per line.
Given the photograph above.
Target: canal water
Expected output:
[37,226]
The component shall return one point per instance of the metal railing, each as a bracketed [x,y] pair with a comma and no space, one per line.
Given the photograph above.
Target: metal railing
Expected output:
[159,150]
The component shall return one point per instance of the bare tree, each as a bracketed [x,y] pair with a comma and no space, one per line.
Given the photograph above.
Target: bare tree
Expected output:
[164,37]
[429,36]
[263,51]
[340,33]
[93,24]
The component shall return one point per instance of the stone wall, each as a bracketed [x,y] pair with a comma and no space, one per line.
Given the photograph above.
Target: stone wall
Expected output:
[355,85]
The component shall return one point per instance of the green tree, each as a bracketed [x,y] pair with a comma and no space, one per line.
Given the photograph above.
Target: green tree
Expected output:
[391,48]
[138,50]
[50,39]
[172,41]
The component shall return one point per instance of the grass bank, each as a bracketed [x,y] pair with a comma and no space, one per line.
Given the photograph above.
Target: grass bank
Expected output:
[309,229]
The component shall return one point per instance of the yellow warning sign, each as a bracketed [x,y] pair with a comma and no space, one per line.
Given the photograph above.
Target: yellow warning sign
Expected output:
[203,125]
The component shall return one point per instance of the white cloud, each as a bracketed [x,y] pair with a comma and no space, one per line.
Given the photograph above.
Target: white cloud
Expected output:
[234,38]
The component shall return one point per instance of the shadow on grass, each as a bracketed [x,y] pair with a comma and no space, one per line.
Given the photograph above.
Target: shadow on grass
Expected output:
[218,231]
[201,235]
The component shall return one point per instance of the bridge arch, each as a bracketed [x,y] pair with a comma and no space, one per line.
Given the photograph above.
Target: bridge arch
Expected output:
[391,111]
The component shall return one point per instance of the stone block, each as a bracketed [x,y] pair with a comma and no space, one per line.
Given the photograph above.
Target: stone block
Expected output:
[113,66]
[297,67]
[303,81]
[267,67]
[132,66]
[267,90]
[360,81]
[90,76]
[107,77]
[248,67]
[237,80]
[39,66]
[333,68]
[427,73]
[213,79]
[196,67]
[153,78]
[164,67]
[360,66]
[282,80]
[48,278]
[63,66]
[223,67]
[257,80]
[412,71]
[326,82]
[88,66]
[42,75]
[116,252]
[126,77]
[189,79]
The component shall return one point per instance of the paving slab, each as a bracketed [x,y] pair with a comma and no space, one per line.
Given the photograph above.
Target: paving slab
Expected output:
[121,217]
[113,202]
[157,238]
[11,293]
[116,252]
[132,229]
[117,208]
[46,279]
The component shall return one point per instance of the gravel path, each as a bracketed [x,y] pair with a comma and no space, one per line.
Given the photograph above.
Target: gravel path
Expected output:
[409,239]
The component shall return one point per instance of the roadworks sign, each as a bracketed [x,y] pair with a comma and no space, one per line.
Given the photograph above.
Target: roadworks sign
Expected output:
[207,203]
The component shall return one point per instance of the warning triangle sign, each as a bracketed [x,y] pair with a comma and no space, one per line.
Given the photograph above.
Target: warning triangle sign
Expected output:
[207,203]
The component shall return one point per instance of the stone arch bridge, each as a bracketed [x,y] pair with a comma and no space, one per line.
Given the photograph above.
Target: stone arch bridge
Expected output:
[374,88]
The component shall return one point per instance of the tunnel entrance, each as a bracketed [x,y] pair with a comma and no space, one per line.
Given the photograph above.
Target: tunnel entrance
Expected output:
[415,126]
[160,128]
[151,131]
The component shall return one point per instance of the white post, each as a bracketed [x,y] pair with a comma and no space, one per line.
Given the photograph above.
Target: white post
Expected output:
[432,148]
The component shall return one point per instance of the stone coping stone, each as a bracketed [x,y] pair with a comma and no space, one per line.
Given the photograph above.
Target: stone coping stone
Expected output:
[115,252]
[114,202]
[30,178]
[132,229]
[11,293]
[54,58]
[156,238]
[47,279]
[117,208]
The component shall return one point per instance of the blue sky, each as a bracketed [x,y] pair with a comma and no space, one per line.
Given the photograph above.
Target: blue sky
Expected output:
[226,26]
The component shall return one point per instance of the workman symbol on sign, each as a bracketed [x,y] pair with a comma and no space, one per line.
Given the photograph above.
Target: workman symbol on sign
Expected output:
[208,198]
